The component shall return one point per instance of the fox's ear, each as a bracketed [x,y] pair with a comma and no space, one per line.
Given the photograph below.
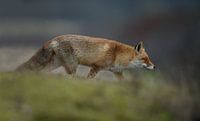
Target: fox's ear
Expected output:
[139,46]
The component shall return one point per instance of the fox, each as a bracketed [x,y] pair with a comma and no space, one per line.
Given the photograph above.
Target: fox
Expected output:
[69,51]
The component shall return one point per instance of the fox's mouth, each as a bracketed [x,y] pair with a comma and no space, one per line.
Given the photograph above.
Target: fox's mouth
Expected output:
[139,64]
[149,67]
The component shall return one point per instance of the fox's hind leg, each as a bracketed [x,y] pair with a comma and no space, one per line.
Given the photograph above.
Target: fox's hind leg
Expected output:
[70,68]
[70,64]
[53,64]
[68,59]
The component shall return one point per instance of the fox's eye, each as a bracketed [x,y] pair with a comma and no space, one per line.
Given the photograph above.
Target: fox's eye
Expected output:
[143,59]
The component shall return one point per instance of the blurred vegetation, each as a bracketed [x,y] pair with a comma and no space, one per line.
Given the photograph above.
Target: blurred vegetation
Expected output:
[37,97]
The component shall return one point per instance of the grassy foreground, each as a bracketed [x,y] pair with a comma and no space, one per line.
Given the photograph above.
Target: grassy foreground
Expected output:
[36,97]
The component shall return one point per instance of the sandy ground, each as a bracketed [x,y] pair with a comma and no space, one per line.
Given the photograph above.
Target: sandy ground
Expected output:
[11,57]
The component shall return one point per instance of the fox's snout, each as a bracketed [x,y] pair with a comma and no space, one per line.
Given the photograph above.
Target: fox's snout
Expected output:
[141,64]
[150,66]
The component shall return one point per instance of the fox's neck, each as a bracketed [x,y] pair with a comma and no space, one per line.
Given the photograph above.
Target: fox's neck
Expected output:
[123,54]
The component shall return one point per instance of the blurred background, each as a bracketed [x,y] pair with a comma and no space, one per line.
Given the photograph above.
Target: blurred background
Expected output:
[170,30]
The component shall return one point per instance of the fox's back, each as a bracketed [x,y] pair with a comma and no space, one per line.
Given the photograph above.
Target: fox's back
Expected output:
[88,48]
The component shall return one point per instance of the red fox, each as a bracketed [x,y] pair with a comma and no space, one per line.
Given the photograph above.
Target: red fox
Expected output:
[100,54]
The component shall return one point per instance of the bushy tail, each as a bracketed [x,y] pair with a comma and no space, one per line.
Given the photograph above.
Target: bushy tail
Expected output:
[38,61]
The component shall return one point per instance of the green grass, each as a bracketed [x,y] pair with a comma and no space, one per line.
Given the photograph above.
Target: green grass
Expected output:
[36,97]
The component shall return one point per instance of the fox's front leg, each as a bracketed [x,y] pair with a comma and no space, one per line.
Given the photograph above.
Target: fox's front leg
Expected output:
[119,75]
[93,71]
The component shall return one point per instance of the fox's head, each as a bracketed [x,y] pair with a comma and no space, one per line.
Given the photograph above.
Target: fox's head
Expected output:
[141,58]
